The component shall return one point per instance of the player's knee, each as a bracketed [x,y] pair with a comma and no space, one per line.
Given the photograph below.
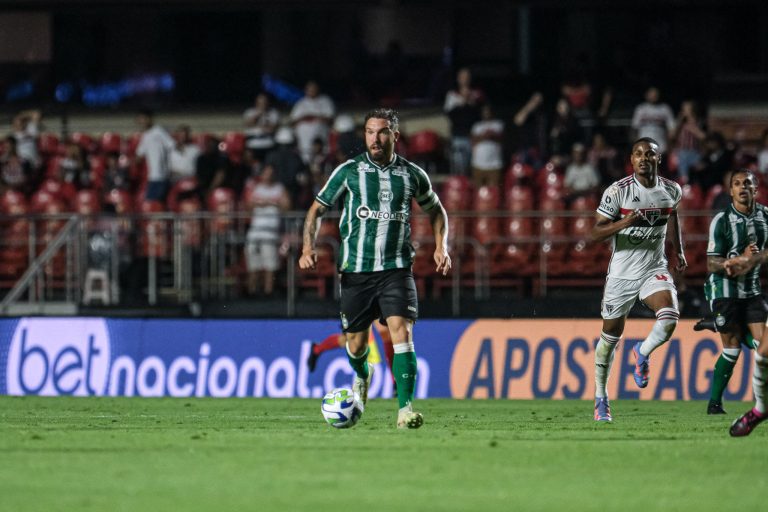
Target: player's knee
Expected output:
[666,319]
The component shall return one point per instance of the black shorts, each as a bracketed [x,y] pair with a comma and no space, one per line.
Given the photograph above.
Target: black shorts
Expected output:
[366,296]
[732,315]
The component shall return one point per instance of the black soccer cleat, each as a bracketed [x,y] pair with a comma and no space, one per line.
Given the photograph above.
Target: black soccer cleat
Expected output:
[715,408]
[312,359]
[705,324]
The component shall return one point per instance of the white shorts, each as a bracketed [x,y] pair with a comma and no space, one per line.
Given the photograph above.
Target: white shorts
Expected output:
[619,295]
[261,255]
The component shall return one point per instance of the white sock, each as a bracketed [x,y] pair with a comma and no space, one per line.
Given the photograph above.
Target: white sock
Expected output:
[666,321]
[604,353]
[731,354]
[402,348]
[760,382]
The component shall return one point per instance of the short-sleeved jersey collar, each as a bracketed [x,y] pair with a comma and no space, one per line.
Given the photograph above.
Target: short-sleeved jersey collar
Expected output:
[377,166]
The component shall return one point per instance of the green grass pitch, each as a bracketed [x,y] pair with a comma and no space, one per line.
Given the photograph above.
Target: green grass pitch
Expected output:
[130,454]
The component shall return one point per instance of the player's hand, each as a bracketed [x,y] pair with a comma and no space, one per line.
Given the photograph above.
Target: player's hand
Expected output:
[682,263]
[750,250]
[443,261]
[634,218]
[308,260]
[737,266]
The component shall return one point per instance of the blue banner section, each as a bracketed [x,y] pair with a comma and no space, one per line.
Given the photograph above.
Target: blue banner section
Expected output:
[551,359]
[216,358]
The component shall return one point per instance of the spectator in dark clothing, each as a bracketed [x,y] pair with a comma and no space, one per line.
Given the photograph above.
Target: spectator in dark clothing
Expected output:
[117,174]
[564,130]
[723,199]
[462,106]
[716,160]
[288,165]
[211,167]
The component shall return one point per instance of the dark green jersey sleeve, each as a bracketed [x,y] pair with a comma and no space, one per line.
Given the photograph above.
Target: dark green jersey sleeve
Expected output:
[718,236]
[335,186]
[425,196]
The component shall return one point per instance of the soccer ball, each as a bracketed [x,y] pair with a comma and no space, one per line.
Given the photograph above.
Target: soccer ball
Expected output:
[341,408]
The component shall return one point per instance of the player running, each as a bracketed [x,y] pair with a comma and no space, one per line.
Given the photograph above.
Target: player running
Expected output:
[737,304]
[375,257]
[736,267]
[634,213]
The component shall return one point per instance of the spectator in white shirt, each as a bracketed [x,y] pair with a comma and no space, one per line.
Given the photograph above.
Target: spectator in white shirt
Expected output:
[261,122]
[155,148]
[311,117]
[26,130]
[184,154]
[487,149]
[581,177]
[653,119]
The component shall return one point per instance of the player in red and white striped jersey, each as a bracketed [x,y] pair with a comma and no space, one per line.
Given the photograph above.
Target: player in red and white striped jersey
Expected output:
[633,214]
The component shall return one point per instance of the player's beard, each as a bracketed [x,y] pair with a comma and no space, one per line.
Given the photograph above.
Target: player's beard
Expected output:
[380,155]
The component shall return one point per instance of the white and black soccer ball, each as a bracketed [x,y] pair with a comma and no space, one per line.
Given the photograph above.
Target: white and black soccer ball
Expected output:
[341,409]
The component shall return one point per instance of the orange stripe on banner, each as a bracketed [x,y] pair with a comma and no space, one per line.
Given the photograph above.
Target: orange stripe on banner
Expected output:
[555,359]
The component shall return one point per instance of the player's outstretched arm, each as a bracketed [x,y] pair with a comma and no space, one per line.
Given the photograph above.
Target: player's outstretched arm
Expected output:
[605,228]
[308,258]
[439,220]
[677,241]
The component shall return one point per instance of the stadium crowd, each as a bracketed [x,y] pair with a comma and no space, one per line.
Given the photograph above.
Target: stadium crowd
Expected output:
[501,177]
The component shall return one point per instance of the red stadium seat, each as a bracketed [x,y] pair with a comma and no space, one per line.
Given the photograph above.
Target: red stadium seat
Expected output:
[180,190]
[48,144]
[518,174]
[63,191]
[423,144]
[87,202]
[111,142]
[132,143]
[83,140]
[233,146]
[519,198]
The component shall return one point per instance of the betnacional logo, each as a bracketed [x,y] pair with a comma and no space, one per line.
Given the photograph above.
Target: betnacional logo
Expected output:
[59,357]
[554,359]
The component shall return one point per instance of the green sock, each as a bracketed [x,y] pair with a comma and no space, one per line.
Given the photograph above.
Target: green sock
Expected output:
[359,364]
[723,371]
[404,369]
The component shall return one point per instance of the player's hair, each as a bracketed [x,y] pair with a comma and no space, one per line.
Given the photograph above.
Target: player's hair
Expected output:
[647,140]
[385,113]
[743,171]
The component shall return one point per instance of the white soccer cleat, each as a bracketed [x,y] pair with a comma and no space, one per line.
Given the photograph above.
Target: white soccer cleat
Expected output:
[407,418]
[360,386]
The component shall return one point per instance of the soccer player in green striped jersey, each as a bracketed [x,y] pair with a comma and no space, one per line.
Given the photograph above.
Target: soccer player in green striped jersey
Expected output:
[377,189]
[736,302]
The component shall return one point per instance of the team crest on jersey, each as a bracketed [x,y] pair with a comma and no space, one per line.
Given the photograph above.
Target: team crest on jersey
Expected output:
[364,167]
[385,196]
[651,215]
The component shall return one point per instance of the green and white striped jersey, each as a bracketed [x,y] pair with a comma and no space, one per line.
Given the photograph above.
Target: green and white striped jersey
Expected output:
[729,234]
[374,225]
